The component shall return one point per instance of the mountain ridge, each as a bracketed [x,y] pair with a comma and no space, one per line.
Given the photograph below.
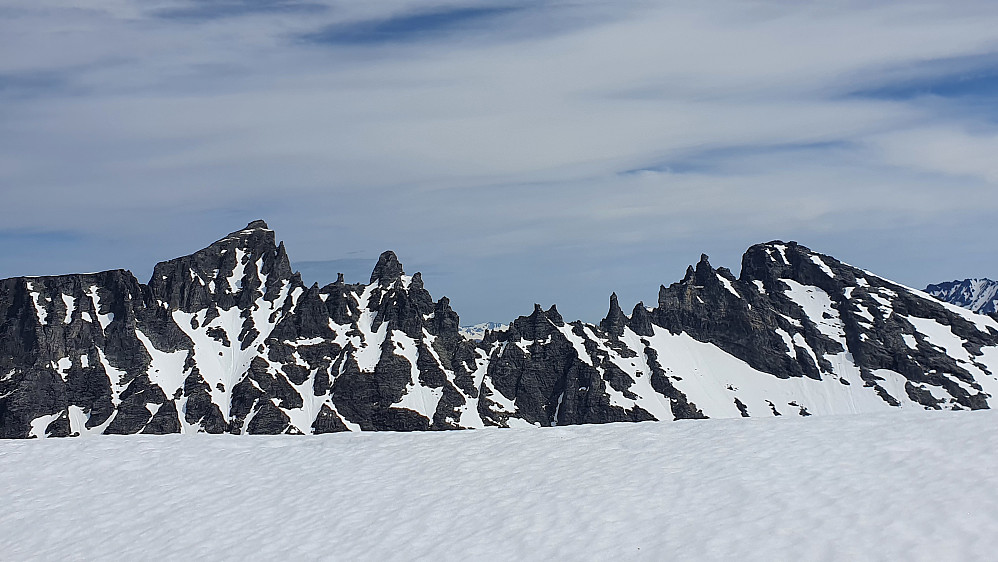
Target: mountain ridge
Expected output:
[230,340]
[977,294]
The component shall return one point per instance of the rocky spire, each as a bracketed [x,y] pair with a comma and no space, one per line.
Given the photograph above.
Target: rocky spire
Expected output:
[555,316]
[615,320]
[704,271]
[539,324]
[388,269]
[690,272]
[445,320]
[640,321]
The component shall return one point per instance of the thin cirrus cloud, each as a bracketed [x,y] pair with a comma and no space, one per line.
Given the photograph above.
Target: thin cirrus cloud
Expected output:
[512,151]
[732,159]
[218,9]
[411,27]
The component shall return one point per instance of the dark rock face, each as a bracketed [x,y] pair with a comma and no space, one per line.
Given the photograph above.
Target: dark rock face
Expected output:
[229,340]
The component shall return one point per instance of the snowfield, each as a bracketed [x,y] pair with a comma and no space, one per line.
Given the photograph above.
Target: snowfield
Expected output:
[898,486]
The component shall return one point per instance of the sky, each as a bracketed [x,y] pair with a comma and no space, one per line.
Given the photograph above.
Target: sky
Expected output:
[513,152]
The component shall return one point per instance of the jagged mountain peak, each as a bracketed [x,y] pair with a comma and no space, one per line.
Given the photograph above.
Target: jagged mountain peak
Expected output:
[228,339]
[640,320]
[539,324]
[388,269]
[231,271]
[774,261]
[256,235]
[615,320]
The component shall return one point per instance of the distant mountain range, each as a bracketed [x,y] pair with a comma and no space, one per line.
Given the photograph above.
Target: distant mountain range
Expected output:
[477,331]
[229,340]
[979,295]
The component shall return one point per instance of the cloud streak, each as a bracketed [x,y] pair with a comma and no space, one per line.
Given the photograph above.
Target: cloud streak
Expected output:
[418,26]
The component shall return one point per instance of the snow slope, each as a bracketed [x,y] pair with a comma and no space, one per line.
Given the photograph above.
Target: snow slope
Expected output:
[902,486]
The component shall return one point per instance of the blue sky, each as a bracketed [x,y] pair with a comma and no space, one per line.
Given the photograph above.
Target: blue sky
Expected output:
[514,152]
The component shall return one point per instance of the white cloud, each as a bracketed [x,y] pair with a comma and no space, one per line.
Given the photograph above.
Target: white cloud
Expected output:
[945,150]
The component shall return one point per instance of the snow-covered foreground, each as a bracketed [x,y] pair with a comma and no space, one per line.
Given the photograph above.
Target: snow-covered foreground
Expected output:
[897,486]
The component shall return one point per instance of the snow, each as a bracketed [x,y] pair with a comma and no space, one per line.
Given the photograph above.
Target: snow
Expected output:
[978,295]
[104,319]
[114,375]
[800,342]
[783,253]
[498,399]
[821,264]
[368,355]
[305,342]
[166,369]
[63,366]
[727,285]
[712,379]
[40,311]
[879,487]
[469,415]
[221,364]
[477,331]
[984,324]
[983,292]
[70,303]
[78,419]
[817,305]
[418,398]
[639,371]
[864,312]
[235,280]
[942,336]
[787,340]
[578,342]
[39,424]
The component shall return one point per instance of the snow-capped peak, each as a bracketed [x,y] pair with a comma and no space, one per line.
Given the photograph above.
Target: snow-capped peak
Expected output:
[978,295]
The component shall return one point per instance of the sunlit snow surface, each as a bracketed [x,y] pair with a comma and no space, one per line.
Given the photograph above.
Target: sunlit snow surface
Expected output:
[899,486]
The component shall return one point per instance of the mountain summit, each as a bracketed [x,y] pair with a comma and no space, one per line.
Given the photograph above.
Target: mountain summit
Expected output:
[229,340]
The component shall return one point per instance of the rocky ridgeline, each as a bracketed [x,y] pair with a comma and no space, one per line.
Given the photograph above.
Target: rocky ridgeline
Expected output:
[977,295]
[229,340]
